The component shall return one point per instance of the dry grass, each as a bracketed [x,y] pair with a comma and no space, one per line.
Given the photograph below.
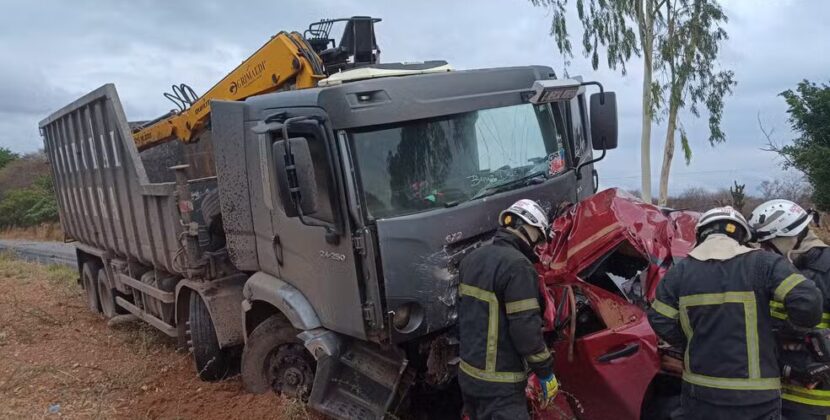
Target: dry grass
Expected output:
[57,356]
[42,232]
[22,172]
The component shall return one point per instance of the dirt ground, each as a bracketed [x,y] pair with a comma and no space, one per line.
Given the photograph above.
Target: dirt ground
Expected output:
[60,360]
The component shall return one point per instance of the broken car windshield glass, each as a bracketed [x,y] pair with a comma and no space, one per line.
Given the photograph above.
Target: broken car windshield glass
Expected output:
[419,165]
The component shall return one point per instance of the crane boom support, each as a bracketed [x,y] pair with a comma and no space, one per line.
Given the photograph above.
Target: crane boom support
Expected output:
[286,61]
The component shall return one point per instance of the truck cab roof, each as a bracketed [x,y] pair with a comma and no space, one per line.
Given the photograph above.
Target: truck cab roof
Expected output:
[386,100]
[386,70]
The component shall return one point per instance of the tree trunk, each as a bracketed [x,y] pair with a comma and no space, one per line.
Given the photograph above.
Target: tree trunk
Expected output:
[668,155]
[647,39]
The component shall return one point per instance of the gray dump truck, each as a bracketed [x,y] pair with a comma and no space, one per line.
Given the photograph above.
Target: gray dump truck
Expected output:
[311,237]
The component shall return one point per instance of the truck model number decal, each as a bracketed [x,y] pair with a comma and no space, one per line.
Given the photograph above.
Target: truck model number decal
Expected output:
[334,256]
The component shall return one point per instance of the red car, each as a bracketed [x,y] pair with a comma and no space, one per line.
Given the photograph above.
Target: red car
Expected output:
[599,274]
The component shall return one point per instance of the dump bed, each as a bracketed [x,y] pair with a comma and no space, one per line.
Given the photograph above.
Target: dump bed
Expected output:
[105,197]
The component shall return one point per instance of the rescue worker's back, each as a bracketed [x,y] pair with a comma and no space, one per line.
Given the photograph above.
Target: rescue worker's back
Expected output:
[715,304]
[725,327]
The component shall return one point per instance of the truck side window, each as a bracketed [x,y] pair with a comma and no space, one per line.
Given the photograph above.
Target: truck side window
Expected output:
[322,174]
[577,119]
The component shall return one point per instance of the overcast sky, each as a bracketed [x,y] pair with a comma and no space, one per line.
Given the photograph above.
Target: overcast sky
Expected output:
[55,51]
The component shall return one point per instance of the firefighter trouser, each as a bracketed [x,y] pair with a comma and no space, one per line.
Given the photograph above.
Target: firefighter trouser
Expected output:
[695,409]
[789,413]
[512,407]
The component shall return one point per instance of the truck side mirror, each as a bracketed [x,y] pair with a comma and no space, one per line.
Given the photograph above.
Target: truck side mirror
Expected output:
[604,121]
[294,173]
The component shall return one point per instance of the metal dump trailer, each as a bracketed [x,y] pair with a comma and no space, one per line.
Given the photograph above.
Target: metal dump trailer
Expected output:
[106,198]
[135,237]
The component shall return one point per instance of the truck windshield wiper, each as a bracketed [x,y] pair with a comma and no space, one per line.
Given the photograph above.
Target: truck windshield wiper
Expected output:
[495,189]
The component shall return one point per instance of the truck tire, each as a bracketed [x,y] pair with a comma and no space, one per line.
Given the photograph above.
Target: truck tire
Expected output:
[212,363]
[212,215]
[274,359]
[89,280]
[106,296]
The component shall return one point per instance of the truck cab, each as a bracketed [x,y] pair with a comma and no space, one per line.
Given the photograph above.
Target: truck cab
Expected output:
[350,205]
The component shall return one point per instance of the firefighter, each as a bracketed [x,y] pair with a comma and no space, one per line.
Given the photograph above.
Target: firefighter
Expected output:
[782,226]
[499,319]
[715,304]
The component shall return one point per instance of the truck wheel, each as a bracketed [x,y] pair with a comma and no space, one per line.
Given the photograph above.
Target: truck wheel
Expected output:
[274,359]
[212,362]
[89,279]
[106,296]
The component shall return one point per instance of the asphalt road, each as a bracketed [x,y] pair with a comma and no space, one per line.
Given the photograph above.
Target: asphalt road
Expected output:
[42,252]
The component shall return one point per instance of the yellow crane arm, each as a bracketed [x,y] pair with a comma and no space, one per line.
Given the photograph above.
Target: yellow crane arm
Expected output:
[286,61]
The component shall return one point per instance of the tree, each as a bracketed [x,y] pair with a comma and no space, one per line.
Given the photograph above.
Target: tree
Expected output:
[687,52]
[809,117]
[609,24]
[791,187]
[7,156]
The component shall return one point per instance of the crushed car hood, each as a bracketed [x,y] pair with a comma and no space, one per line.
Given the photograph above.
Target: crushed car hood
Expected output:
[606,356]
[587,230]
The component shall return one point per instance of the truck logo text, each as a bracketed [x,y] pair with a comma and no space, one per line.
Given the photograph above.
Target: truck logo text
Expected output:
[251,74]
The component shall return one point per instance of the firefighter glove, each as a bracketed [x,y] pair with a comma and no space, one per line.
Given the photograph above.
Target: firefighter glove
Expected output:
[550,387]
[811,373]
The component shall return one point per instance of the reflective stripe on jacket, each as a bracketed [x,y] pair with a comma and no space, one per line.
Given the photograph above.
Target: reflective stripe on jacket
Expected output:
[815,265]
[719,312]
[499,319]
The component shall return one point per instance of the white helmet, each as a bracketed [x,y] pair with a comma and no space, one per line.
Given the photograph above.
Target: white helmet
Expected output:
[726,213]
[531,214]
[777,218]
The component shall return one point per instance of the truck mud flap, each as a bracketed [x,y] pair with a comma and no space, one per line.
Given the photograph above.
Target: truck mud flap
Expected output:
[364,382]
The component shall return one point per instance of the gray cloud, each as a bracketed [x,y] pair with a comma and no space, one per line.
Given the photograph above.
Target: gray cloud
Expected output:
[55,51]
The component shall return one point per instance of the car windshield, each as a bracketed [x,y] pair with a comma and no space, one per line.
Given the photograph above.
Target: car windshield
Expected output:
[440,162]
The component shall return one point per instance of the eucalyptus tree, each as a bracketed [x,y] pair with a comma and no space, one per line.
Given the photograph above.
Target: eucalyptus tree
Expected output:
[625,28]
[687,61]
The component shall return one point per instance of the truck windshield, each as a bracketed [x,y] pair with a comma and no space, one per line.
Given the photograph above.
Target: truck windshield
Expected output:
[439,162]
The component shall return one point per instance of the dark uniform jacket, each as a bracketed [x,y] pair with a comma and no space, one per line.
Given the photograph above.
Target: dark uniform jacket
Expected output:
[815,265]
[719,312]
[499,319]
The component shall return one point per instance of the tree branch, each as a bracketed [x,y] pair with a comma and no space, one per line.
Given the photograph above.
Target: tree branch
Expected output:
[772,145]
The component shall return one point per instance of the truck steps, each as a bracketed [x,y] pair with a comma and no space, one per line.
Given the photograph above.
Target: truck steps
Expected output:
[146,317]
[363,383]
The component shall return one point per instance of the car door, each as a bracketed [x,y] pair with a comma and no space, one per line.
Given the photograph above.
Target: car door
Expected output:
[609,368]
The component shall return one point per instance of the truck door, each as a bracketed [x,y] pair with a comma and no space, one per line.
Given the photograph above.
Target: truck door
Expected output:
[321,265]
[581,144]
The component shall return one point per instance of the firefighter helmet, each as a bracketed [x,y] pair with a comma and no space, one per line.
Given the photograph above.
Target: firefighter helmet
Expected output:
[777,218]
[529,212]
[727,218]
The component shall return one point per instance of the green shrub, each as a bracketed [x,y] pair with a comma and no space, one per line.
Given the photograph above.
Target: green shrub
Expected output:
[7,156]
[29,206]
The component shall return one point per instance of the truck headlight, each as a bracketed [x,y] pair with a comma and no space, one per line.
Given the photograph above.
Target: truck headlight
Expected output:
[408,317]
[401,317]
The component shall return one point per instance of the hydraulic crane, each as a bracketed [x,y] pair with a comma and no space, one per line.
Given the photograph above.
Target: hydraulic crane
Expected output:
[287,61]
